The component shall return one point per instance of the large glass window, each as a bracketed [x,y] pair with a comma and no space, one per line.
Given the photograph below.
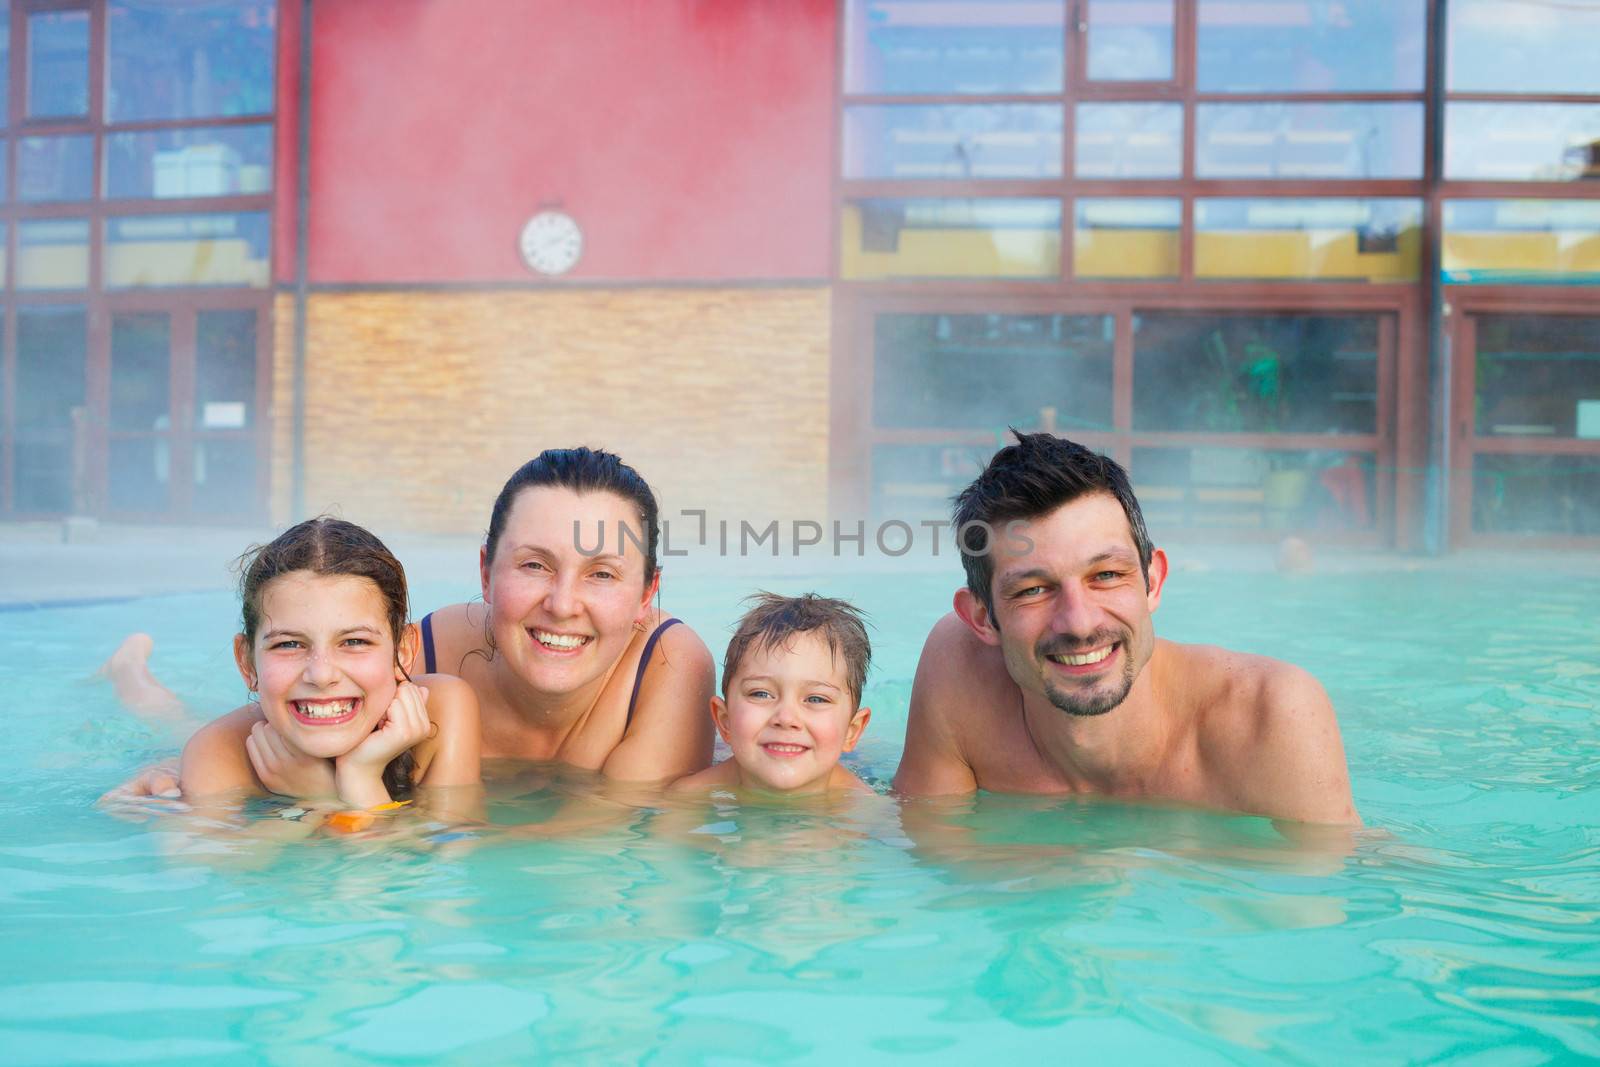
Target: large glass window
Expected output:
[1553,495]
[1303,141]
[164,250]
[53,254]
[1255,488]
[1270,46]
[1129,40]
[1127,238]
[1521,142]
[990,371]
[1255,373]
[1349,240]
[1499,241]
[1523,46]
[47,461]
[189,61]
[1537,376]
[58,64]
[955,141]
[216,161]
[917,46]
[1122,140]
[55,168]
[1016,238]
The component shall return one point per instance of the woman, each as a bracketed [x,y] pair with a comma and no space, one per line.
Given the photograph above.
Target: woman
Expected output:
[570,659]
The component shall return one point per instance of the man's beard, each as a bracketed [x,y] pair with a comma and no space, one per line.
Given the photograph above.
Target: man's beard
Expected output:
[1096,701]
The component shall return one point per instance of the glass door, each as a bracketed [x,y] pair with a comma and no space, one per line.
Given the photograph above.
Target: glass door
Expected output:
[183,437]
[1527,428]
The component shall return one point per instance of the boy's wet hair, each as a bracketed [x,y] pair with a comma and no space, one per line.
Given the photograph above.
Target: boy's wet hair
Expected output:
[582,470]
[330,547]
[1026,480]
[774,620]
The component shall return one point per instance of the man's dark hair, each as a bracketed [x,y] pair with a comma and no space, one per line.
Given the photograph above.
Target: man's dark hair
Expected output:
[1026,480]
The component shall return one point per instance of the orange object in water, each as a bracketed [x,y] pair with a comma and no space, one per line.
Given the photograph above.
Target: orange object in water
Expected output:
[349,822]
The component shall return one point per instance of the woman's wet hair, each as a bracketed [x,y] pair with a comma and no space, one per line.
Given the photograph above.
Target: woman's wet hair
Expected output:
[330,547]
[1030,478]
[583,470]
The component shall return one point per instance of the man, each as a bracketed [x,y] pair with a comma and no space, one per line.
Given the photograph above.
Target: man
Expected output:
[1048,677]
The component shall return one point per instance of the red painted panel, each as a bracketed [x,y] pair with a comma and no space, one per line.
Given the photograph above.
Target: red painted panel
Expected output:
[691,139]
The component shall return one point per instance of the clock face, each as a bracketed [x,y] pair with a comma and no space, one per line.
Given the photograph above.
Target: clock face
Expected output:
[551,242]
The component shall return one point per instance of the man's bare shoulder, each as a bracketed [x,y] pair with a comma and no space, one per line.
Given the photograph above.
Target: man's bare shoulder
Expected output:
[960,686]
[957,670]
[1268,731]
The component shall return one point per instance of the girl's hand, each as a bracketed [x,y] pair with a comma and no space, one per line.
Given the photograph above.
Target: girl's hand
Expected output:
[404,725]
[286,770]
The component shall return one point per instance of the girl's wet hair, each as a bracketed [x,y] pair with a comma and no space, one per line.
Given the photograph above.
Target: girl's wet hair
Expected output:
[583,470]
[333,548]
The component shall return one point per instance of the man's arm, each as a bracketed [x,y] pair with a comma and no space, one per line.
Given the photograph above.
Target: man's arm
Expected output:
[1295,768]
[932,762]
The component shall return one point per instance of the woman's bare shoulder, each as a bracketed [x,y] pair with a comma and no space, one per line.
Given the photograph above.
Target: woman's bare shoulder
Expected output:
[215,759]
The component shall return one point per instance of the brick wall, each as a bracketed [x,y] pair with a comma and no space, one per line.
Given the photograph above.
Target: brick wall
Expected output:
[420,404]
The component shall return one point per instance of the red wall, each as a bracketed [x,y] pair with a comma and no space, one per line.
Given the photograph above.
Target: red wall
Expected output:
[691,139]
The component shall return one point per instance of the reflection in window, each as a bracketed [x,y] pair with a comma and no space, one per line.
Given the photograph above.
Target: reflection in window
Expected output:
[912,46]
[225,477]
[914,482]
[1255,373]
[163,250]
[992,371]
[186,61]
[53,254]
[1130,40]
[1251,488]
[1254,46]
[58,64]
[1127,238]
[1537,376]
[1361,240]
[1522,46]
[141,356]
[1521,142]
[1309,141]
[221,161]
[1129,141]
[225,370]
[1501,241]
[1549,495]
[55,168]
[52,348]
[954,142]
[1012,238]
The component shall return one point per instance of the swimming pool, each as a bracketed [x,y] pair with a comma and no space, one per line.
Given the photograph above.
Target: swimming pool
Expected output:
[1465,927]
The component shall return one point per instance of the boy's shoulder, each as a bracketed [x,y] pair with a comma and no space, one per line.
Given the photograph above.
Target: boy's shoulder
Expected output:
[717,776]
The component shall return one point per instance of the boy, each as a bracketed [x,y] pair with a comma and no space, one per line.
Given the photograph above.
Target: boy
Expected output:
[792,683]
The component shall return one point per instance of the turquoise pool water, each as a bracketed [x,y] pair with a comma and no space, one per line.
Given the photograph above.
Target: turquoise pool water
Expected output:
[1464,928]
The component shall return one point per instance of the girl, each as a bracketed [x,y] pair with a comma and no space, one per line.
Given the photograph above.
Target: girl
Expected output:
[324,651]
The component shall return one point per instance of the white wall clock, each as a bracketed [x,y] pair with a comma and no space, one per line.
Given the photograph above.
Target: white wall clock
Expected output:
[551,242]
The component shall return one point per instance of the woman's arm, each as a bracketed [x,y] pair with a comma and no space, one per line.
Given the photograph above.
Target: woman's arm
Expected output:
[671,732]
[451,756]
